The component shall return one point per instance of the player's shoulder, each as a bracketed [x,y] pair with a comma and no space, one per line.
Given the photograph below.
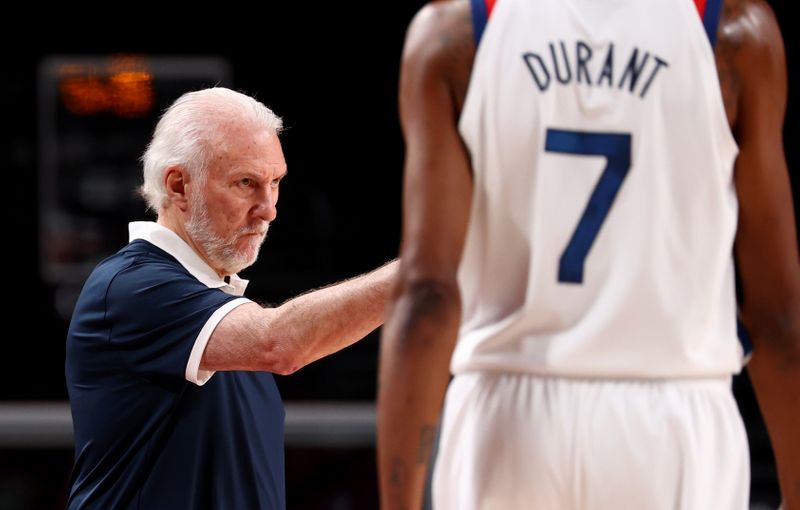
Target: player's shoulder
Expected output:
[749,52]
[748,25]
[440,45]
[440,30]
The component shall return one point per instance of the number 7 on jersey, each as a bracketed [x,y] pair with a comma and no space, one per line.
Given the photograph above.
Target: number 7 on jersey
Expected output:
[616,147]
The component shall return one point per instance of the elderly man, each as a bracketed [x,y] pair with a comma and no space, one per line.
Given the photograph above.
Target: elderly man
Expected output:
[168,368]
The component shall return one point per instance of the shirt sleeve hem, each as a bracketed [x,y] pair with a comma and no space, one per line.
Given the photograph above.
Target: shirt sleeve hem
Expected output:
[193,372]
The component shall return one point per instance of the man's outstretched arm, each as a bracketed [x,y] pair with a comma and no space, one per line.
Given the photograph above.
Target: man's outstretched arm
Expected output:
[302,330]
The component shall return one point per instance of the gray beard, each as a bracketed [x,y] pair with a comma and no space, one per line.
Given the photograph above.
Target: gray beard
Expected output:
[221,252]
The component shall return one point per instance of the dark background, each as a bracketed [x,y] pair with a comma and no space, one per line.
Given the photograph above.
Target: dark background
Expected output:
[331,72]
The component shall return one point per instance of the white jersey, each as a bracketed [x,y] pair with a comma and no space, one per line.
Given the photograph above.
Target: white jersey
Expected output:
[604,211]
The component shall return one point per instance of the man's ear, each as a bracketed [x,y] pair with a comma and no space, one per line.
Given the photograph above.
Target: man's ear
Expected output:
[175,180]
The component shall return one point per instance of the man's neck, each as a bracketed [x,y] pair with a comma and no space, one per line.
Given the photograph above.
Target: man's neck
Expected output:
[169,221]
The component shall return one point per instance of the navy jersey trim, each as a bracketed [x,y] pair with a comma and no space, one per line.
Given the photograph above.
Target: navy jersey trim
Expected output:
[711,19]
[481,10]
[744,338]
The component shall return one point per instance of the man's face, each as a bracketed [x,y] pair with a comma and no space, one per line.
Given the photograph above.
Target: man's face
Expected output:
[229,215]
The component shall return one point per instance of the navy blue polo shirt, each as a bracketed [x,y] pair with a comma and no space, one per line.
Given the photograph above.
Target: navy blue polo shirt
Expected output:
[152,431]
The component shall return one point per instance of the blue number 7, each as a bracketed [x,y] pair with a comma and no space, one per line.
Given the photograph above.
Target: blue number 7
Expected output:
[616,147]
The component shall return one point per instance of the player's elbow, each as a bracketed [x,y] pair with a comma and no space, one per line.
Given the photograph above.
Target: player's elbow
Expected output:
[776,329]
[424,306]
[428,294]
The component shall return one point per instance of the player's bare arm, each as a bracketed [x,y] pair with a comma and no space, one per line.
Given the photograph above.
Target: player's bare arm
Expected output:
[423,320]
[302,330]
[752,68]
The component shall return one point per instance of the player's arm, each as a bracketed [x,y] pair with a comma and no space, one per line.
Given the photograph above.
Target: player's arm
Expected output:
[423,319]
[302,330]
[766,244]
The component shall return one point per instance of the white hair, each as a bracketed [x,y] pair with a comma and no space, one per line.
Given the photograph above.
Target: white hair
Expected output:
[190,131]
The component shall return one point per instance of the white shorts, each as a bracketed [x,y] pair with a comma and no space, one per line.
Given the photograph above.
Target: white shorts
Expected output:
[516,441]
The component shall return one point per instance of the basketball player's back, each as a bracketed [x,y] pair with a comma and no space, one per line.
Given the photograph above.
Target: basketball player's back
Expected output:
[604,214]
[594,306]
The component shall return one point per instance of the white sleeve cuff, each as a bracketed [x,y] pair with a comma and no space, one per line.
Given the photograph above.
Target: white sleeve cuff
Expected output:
[193,372]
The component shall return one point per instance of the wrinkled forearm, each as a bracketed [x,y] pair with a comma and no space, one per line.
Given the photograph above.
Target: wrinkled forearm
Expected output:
[327,320]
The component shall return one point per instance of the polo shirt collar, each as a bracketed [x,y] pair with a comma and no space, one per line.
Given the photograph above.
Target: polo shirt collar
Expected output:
[170,242]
